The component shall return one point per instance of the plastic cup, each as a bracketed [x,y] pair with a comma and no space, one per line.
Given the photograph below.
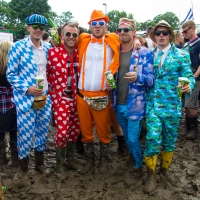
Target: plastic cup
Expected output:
[182,81]
[39,82]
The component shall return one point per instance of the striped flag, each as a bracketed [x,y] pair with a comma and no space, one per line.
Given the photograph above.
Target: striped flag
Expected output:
[189,16]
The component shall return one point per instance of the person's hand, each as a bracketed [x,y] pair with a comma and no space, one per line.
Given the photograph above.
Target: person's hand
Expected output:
[109,86]
[136,44]
[131,76]
[34,91]
[186,89]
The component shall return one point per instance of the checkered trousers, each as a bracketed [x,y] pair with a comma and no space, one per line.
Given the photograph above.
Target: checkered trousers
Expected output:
[33,124]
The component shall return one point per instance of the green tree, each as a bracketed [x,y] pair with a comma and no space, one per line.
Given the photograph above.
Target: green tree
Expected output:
[170,17]
[63,18]
[4,14]
[114,16]
[20,9]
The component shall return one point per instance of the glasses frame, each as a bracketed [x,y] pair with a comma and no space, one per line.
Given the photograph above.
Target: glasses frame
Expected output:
[164,32]
[126,30]
[185,31]
[98,22]
[36,26]
[68,34]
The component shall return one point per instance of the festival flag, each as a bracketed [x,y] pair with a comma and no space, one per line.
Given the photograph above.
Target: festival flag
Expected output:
[189,15]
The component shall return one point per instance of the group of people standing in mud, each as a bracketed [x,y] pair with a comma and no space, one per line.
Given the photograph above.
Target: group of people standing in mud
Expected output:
[78,94]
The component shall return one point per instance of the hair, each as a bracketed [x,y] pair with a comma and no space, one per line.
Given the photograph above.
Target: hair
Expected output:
[82,30]
[4,48]
[45,36]
[149,29]
[189,23]
[177,33]
[70,24]
[131,22]
[142,41]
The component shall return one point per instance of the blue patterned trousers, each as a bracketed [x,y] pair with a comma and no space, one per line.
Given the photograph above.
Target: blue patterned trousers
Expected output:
[131,130]
[160,131]
[33,124]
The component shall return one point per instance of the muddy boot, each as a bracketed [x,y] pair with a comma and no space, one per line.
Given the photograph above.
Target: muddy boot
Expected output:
[39,162]
[21,177]
[193,134]
[90,158]
[14,154]
[187,124]
[166,159]
[60,159]
[151,181]
[3,158]
[122,148]
[103,158]
[80,147]
[70,156]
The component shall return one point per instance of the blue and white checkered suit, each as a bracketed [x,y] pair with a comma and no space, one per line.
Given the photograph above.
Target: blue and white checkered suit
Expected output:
[21,73]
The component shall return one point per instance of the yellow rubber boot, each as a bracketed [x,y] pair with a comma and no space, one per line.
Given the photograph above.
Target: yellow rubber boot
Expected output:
[166,159]
[151,181]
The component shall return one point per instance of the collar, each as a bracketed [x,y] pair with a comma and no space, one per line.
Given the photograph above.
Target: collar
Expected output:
[98,40]
[30,43]
[165,50]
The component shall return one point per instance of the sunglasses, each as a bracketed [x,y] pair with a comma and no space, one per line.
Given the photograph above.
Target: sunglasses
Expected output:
[68,34]
[126,30]
[164,32]
[184,32]
[97,23]
[41,27]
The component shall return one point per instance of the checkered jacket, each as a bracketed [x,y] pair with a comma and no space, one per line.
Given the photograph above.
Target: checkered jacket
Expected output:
[21,72]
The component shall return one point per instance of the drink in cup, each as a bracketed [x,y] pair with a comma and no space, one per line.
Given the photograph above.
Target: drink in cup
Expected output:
[39,82]
[110,79]
[182,81]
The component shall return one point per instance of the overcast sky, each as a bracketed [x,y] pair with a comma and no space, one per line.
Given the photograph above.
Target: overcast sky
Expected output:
[142,10]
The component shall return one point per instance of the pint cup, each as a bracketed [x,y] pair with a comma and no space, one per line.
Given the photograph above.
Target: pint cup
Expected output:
[39,82]
[182,81]
[110,79]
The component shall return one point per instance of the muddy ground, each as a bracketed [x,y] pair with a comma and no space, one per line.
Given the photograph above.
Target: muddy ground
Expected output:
[117,184]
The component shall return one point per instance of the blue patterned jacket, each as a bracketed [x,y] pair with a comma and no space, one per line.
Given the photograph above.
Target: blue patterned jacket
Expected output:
[136,100]
[21,72]
[163,97]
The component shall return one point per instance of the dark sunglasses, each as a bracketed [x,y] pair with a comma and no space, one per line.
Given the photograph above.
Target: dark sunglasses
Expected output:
[185,31]
[126,30]
[164,32]
[68,34]
[94,23]
[35,27]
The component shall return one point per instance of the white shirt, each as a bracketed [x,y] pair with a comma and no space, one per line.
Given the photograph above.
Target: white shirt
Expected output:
[41,62]
[94,65]
[149,43]
[165,52]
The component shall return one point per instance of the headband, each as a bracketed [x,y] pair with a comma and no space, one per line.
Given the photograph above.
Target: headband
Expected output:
[125,23]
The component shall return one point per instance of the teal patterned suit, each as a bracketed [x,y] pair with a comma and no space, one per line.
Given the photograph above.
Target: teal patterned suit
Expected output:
[163,106]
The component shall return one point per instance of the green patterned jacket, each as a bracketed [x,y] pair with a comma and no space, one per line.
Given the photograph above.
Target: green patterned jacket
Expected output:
[163,96]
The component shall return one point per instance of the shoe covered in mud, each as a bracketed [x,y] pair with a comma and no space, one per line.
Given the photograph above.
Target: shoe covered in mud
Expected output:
[71,163]
[39,162]
[151,182]
[90,159]
[122,148]
[193,134]
[21,177]
[168,177]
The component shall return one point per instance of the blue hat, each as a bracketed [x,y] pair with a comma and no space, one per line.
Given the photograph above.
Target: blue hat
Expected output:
[36,19]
